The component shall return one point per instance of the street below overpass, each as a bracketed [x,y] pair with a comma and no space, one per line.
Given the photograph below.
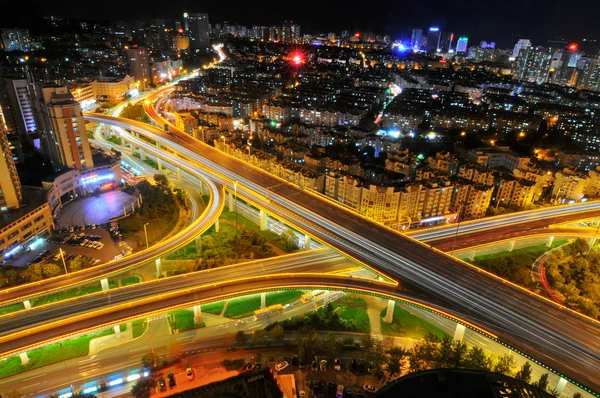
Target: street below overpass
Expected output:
[560,338]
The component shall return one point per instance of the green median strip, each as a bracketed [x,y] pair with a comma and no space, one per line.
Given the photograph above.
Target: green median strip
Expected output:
[406,324]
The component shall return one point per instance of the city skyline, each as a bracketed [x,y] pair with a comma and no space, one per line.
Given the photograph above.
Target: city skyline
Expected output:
[505,24]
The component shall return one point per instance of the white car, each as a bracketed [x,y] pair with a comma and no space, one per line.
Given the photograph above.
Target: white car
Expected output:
[281,365]
[369,388]
[302,394]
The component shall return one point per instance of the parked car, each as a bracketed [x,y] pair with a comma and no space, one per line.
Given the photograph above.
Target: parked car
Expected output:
[189,373]
[162,385]
[281,365]
[338,364]
[172,382]
[369,388]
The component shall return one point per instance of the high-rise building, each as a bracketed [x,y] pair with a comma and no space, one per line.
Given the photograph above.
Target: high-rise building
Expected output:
[446,41]
[198,26]
[461,44]
[533,64]
[590,75]
[62,128]
[416,38]
[15,40]
[290,32]
[17,106]
[140,66]
[11,195]
[433,39]
[521,44]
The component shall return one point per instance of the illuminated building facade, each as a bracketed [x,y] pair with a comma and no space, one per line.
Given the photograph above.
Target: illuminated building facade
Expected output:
[433,39]
[198,26]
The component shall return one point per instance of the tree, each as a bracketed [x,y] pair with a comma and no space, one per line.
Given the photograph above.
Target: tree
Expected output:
[162,182]
[76,264]
[259,336]
[277,334]
[396,361]
[505,365]
[577,395]
[12,277]
[542,383]
[241,338]
[289,239]
[524,374]
[142,388]
[149,360]
[477,360]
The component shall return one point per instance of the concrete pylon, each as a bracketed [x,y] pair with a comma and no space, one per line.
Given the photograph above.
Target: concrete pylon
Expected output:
[459,332]
[24,358]
[263,220]
[306,242]
[104,284]
[217,225]
[230,200]
[178,173]
[158,267]
[549,241]
[326,297]
[263,300]
[472,257]
[389,314]
[511,245]
[560,386]
[198,241]
[159,163]
[27,304]
[117,330]
[197,314]
[142,154]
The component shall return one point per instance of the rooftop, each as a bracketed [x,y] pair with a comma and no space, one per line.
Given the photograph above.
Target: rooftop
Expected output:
[33,197]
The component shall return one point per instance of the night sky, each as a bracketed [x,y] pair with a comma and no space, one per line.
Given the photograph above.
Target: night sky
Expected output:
[503,21]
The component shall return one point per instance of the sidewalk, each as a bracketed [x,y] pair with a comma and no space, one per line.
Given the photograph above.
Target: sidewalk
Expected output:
[102,343]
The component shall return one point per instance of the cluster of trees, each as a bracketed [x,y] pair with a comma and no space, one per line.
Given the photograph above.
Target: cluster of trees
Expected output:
[38,271]
[324,318]
[228,247]
[574,273]
[135,112]
[515,268]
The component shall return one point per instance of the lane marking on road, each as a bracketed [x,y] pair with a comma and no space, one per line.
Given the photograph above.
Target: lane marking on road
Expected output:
[34,377]
[31,385]
[139,349]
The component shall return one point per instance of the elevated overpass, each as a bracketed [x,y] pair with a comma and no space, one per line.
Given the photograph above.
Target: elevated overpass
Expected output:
[561,338]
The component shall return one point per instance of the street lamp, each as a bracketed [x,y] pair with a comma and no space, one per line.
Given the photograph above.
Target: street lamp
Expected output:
[146,234]
[457,226]
[62,255]
[236,211]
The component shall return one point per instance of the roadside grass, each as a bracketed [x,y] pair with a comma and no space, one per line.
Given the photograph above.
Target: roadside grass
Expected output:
[183,320]
[245,306]
[353,309]
[130,280]
[11,308]
[406,324]
[52,353]
[82,291]
[214,308]
[115,140]
[283,297]
[138,327]
[525,253]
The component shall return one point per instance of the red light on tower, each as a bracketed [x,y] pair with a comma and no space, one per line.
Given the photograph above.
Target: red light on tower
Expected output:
[357,35]
[573,46]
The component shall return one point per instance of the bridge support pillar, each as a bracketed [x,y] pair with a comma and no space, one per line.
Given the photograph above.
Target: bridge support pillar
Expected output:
[472,256]
[198,241]
[263,300]
[178,174]
[459,333]
[197,314]
[27,304]
[159,162]
[217,225]
[117,330]
[104,284]
[142,154]
[158,267]
[511,245]
[24,358]
[306,242]
[592,242]
[263,220]
[230,203]
[389,314]
[549,241]
[560,386]
[326,297]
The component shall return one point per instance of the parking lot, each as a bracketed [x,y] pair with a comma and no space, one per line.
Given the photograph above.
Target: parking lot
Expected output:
[72,246]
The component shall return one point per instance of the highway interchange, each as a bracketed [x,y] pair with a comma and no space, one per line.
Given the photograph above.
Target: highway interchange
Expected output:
[551,334]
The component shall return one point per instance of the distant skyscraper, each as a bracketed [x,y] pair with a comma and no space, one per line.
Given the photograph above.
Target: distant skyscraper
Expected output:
[433,39]
[15,39]
[461,44]
[140,67]
[199,28]
[17,107]
[62,128]
[11,195]
[533,64]
[522,43]
[290,32]
[446,41]
[416,38]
